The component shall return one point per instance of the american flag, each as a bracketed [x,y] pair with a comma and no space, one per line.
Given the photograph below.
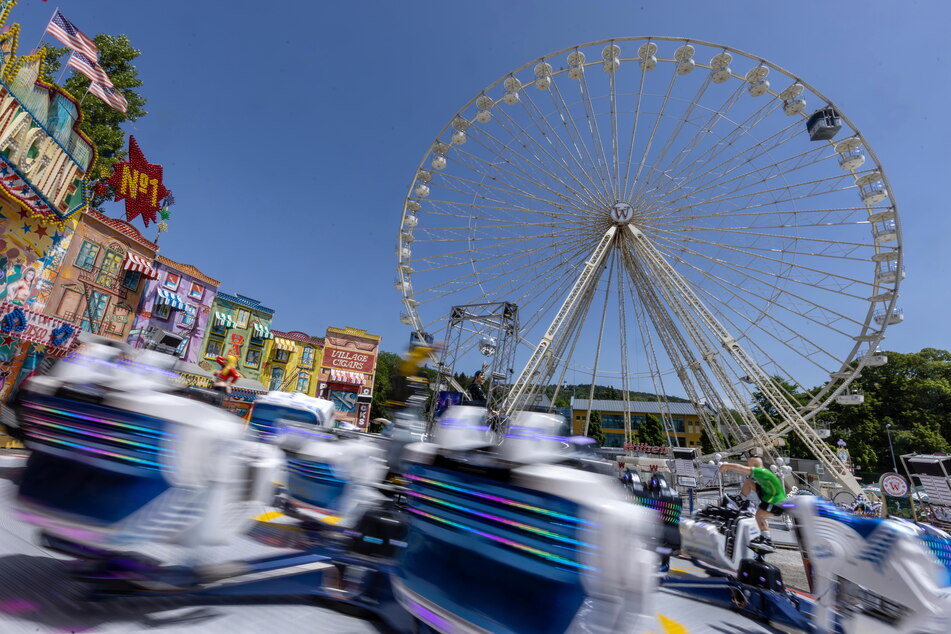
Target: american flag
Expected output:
[110,95]
[89,68]
[64,31]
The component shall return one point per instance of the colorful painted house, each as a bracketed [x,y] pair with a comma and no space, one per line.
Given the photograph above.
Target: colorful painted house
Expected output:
[241,326]
[102,276]
[178,301]
[347,370]
[44,159]
[292,362]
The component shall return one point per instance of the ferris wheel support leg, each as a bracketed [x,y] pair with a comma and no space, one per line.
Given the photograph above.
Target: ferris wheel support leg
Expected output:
[763,382]
[589,276]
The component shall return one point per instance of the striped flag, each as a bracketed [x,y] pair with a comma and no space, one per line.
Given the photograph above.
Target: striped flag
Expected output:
[64,31]
[110,95]
[89,68]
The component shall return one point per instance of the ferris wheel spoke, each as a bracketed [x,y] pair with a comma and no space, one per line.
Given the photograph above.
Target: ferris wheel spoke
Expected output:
[479,165]
[777,169]
[647,148]
[581,146]
[815,185]
[749,231]
[848,215]
[596,139]
[783,263]
[563,155]
[717,304]
[717,115]
[516,193]
[706,165]
[592,190]
[581,190]
[671,139]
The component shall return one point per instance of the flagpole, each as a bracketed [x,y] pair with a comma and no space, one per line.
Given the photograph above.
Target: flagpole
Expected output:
[85,93]
[43,34]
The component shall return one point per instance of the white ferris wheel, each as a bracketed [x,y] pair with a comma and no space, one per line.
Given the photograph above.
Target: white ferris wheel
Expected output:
[670,216]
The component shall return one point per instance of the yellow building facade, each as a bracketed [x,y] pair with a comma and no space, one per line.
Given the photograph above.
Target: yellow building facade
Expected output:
[347,373]
[292,362]
[686,423]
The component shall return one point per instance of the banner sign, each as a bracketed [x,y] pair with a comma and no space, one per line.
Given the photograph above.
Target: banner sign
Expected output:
[18,322]
[348,360]
[645,448]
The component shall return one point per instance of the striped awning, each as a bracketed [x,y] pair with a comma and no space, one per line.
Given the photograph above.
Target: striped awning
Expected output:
[261,331]
[223,320]
[342,376]
[134,262]
[171,299]
[284,344]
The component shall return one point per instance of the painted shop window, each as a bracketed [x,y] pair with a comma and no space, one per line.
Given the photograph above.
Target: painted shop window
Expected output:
[162,311]
[242,320]
[197,291]
[95,309]
[171,281]
[214,348]
[182,348]
[281,355]
[303,382]
[131,280]
[69,305]
[109,268]
[87,255]
[253,358]
[277,376]
[188,315]
[307,358]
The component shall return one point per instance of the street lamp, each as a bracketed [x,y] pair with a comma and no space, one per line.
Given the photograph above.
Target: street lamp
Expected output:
[891,450]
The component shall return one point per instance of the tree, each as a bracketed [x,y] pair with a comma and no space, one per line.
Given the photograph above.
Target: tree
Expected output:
[594,428]
[652,431]
[384,384]
[100,121]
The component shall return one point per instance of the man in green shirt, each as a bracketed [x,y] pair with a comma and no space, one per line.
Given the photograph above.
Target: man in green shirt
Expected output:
[771,493]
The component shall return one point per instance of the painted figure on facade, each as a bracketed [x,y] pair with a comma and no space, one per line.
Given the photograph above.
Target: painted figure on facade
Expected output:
[229,371]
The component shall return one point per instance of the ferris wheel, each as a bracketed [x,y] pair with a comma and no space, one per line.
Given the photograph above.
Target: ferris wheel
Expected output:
[671,217]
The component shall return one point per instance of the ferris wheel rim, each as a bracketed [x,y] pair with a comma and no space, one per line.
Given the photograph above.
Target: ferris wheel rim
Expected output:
[855,358]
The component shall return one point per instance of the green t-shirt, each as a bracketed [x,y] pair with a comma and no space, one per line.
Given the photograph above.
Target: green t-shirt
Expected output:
[772,490]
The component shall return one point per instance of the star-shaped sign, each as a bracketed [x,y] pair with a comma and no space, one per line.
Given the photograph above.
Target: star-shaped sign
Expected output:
[139,183]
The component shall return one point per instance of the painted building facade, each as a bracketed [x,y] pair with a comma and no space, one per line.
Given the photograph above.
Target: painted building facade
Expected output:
[102,276]
[347,370]
[241,326]
[44,159]
[686,423]
[179,300]
[292,362]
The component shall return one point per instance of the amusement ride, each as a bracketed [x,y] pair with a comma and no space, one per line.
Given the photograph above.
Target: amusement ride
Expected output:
[663,212]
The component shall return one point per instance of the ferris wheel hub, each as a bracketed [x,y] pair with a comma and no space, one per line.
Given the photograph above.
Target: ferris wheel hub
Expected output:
[622,213]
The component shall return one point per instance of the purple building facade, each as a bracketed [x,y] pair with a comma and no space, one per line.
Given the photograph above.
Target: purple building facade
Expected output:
[177,302]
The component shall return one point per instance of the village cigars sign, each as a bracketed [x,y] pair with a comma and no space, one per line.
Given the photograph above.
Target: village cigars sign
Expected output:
[351,360]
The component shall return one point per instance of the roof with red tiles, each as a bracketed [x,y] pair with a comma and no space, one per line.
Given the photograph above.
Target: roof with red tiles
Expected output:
[297,335]
[188,269]
[124,228]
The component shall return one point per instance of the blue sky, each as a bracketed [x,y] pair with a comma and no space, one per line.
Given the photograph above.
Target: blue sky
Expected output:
[290,131]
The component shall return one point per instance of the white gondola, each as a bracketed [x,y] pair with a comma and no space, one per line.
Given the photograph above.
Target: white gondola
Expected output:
[871,188]
[876,358]
[852,397]
[885,232]
[851,155]
[890,275]
[884,317]
[406,319]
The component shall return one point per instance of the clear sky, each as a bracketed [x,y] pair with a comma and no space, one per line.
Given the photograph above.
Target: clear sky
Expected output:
[290,131]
